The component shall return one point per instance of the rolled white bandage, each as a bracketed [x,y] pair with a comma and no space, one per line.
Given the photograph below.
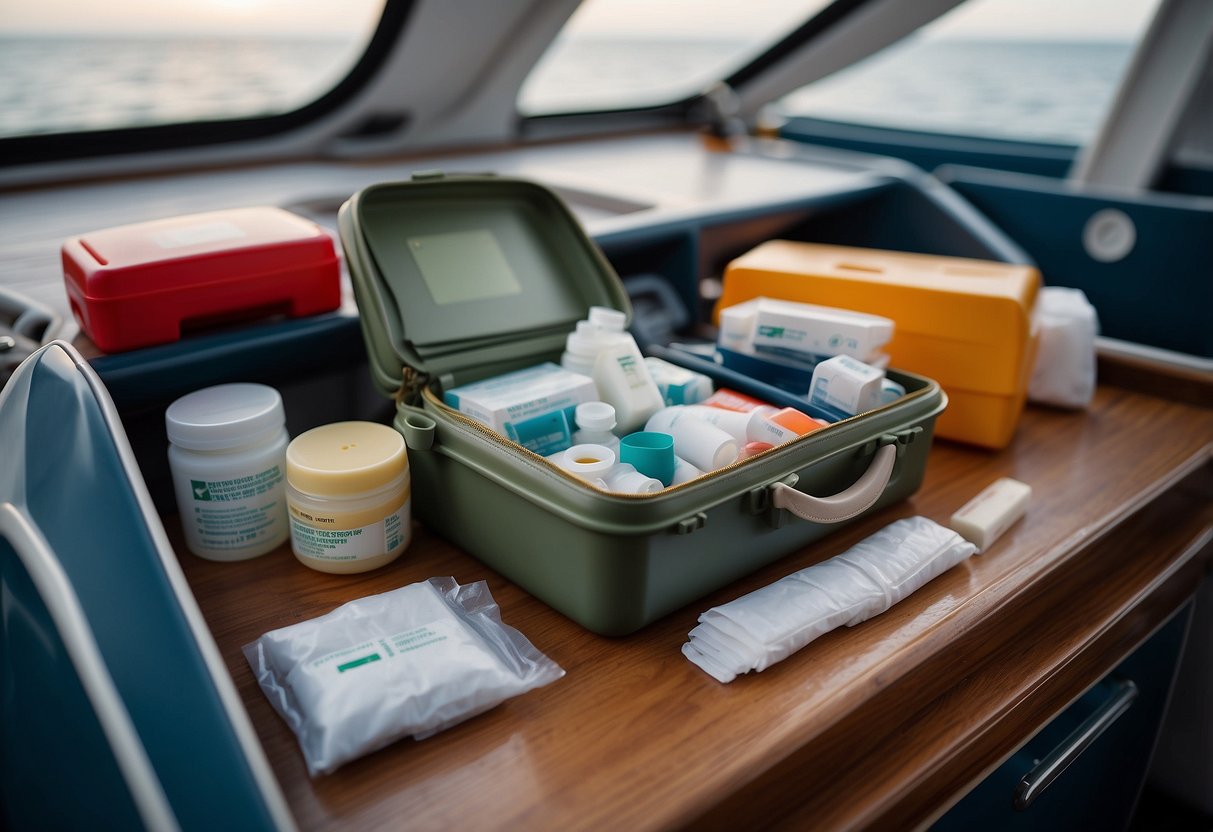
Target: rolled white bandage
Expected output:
[755,631]
[985,517]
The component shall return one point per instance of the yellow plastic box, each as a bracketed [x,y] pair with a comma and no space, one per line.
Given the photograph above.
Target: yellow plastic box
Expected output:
[965,323]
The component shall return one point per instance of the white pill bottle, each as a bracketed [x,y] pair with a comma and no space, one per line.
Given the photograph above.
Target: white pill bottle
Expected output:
[227,454]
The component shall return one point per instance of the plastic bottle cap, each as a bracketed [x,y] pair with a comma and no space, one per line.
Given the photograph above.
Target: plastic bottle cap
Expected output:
[345,459]
[586,340]
[224,416]
[753,449]
[609,319]
[651,453]
[794,420]
[595,416]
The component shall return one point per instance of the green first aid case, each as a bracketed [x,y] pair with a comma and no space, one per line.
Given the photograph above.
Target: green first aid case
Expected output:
[461,278]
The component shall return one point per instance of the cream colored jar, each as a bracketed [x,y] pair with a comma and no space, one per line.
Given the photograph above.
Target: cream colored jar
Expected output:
[349,497]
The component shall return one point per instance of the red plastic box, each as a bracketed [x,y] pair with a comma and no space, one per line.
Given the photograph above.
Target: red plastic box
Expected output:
[137,285]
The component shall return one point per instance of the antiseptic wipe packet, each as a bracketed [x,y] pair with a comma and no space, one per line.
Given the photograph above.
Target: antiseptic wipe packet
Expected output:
[409,662]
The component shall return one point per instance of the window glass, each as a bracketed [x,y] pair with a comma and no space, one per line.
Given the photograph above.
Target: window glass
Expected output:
[73,65]
[621,54]
[1038,70]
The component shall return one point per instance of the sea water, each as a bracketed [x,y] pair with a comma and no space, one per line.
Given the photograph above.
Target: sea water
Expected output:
[1046,91]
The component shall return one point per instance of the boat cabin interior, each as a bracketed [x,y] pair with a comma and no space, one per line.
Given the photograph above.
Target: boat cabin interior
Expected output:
[402,202]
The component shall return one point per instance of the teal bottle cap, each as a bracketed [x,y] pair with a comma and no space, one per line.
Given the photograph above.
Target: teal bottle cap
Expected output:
[651,453]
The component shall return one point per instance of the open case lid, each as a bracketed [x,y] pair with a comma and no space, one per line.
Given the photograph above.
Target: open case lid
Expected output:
[462,277]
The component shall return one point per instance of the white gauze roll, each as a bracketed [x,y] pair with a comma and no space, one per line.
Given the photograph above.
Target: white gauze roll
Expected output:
[768,625]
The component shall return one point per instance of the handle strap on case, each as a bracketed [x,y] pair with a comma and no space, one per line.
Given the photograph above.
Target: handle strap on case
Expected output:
[845,504]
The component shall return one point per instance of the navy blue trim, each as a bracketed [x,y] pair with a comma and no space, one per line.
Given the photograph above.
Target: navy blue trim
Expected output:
[1159,294]
[154,375]
[1177,179]
[930,150]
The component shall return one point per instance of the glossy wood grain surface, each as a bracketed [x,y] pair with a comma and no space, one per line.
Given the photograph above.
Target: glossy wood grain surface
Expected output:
[883,724]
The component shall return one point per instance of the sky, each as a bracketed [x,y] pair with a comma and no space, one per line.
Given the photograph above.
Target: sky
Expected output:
[751,19]
[255,17]
[1053,19]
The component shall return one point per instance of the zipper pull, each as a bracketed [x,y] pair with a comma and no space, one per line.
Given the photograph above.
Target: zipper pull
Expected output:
[412,383]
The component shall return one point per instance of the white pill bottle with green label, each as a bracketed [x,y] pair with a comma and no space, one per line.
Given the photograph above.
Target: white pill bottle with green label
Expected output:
[348,495]
[227,453]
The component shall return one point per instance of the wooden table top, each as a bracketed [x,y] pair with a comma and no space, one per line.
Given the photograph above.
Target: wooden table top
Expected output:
[884,724]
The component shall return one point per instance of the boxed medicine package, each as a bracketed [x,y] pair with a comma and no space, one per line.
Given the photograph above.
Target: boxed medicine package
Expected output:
[465,282]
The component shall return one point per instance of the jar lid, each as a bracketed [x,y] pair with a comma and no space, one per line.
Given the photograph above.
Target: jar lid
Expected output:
[224,416]
[345,459]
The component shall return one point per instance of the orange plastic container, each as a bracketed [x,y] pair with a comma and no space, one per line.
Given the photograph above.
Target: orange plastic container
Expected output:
[965,323]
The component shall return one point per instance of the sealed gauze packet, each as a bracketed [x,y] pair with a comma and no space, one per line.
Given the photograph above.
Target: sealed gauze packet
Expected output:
[409,662]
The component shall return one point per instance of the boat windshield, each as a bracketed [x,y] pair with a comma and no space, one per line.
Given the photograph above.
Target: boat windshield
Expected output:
[624,54]
[83,65]
[1028,70]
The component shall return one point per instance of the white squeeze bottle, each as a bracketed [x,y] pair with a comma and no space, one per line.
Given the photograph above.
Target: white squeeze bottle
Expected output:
[617,367]
[581,348]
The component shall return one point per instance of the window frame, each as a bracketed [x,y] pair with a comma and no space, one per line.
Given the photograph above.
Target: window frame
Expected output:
[685,109]
[37,148]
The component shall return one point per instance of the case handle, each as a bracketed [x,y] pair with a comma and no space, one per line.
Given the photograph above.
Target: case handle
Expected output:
[846,504]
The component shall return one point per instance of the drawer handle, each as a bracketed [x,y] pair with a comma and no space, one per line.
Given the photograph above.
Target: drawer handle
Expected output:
[845,504]
[1059,759]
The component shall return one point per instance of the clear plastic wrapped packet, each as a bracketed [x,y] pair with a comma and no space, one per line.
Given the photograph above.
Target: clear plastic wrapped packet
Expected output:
[409,662]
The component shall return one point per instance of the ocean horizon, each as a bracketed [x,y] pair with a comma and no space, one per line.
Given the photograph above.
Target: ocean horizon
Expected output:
[1054,91]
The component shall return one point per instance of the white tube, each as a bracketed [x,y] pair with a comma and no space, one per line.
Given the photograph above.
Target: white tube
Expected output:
[684,471]
[740,426]
[625,479]
[705,446]
[731,422]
